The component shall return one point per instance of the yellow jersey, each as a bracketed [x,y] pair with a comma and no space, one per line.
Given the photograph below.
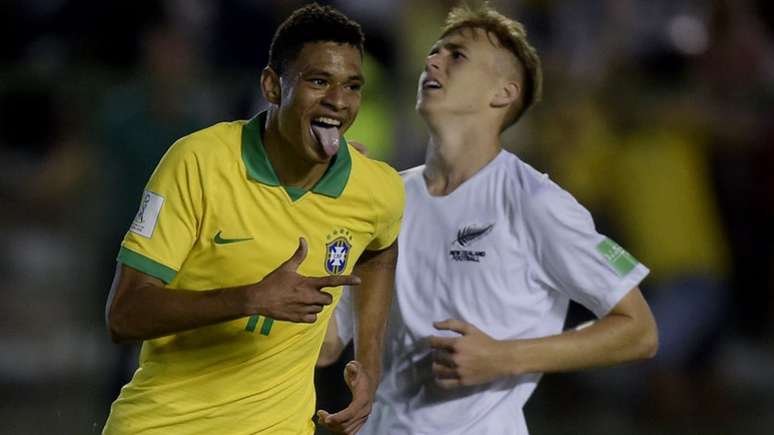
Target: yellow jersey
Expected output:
[214,215]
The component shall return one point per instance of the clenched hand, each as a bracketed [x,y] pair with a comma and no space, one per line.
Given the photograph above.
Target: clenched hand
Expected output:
[352,418]
[470,359]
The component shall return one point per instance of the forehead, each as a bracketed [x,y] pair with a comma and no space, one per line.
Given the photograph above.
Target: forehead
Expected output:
[471,37]
[330,57]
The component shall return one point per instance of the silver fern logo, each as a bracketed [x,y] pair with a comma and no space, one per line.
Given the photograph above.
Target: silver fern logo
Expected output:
[466,235]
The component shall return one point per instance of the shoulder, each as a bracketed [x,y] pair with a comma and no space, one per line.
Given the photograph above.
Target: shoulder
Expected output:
[411,175]
[377,173]
[548,207]
[382,182]
[223,137]
[540,200]
[204,149]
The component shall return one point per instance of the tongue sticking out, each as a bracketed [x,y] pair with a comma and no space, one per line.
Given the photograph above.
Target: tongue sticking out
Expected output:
[328,138]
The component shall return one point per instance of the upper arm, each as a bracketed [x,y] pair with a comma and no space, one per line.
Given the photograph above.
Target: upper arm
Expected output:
[167,223]
[125,280]
[636,309]
[385,258]
[573,258]
[388,202]
[634,306]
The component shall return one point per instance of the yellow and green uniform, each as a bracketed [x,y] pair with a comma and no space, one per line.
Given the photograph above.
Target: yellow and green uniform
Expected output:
[214,215]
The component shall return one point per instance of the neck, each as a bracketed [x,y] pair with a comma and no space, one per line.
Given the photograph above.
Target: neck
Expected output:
[292,169]
[457,150]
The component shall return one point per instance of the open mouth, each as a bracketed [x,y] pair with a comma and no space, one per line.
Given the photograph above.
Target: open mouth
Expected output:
[327,132]
[431,84]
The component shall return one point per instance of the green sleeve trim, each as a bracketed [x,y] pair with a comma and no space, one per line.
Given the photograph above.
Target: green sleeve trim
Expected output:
[146,265]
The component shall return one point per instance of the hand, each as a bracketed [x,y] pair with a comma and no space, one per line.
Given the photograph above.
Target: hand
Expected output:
[474,358]
[284,294]
[352,418]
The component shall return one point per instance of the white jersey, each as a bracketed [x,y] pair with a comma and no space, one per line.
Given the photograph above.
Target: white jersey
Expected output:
[505,252]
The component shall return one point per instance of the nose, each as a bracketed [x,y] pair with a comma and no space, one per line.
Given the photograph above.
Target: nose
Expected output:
[335,99]
[433,61]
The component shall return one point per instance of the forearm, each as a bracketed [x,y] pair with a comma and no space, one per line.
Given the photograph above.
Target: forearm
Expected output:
[332,345]
[140,307]
[371,302]
[627,333]
[612,340]
[152,311]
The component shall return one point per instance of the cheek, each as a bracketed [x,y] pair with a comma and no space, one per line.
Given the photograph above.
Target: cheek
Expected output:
[354,103]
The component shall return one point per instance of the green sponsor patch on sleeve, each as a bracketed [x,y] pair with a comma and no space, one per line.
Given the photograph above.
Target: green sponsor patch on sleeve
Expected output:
[622,261]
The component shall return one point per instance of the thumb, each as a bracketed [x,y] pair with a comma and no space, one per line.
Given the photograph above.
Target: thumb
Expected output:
[298,256]
[351,372]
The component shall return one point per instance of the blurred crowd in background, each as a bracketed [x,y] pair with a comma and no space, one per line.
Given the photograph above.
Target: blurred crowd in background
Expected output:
[657,116]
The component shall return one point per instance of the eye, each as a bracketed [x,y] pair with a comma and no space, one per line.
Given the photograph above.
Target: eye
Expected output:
[355,87]
[320,83]
[457,55]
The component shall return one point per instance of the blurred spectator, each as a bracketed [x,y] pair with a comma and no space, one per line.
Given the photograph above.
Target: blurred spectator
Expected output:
[673,154]
[167,98]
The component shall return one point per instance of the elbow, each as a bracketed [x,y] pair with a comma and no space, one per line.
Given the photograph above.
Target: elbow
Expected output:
[649,342]
[330,353]
[116,335]
[117,327]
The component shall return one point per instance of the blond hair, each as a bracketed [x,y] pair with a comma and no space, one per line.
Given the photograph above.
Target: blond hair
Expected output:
[512,36]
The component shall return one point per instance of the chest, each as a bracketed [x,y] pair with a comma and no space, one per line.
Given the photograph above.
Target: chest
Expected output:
[466,257]
[248,230]
[470,234]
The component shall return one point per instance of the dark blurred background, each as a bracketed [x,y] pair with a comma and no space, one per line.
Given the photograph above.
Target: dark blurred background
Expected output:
[657,116]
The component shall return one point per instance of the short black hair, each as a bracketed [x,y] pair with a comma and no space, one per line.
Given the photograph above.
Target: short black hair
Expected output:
[311,23]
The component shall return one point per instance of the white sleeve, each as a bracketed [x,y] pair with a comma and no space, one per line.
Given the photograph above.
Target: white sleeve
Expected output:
[344,316]
[573,258]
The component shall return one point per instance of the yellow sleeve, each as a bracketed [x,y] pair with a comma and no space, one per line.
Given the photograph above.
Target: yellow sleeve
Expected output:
[167,223]
[390,199]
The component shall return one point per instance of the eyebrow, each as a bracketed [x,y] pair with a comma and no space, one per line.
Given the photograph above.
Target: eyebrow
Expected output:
[449,46]
[454,46]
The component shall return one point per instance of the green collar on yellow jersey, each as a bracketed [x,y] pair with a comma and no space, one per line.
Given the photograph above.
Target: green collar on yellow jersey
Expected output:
[259,167]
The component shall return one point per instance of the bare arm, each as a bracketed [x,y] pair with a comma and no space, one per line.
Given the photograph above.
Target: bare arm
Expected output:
[625,334]
[371,302]
[140,307]
[332,346]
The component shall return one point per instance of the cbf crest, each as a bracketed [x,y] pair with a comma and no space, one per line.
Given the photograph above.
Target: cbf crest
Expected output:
[337,247]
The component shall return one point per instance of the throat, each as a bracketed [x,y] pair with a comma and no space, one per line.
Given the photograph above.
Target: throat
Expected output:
[293,170]
[447,168]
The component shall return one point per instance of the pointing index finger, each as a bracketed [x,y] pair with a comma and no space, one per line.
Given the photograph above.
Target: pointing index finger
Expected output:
[334,281]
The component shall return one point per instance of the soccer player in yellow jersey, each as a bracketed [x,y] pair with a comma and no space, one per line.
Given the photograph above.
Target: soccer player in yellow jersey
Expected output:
[241,227]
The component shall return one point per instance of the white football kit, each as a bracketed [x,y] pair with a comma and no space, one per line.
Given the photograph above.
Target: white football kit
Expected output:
[505,252]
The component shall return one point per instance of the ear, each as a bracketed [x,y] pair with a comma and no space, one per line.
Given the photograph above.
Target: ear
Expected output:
[270,86]
[508,93]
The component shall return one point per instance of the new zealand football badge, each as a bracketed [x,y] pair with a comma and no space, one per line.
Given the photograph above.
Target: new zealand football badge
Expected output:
[337,247]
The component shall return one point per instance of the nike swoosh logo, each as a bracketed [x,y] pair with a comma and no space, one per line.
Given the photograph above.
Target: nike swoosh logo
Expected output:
[221,241]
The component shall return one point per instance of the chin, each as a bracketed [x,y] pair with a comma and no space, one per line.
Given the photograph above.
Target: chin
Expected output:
[424,108]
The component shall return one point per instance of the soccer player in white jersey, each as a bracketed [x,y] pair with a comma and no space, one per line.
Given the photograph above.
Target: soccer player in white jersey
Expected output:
[492,251]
